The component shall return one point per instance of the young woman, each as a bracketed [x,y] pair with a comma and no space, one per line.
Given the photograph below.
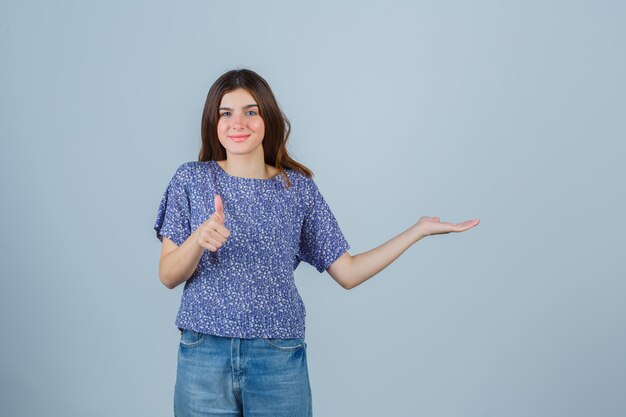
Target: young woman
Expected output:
[234,226]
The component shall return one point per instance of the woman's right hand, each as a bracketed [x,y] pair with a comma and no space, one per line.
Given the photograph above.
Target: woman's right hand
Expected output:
[212,234]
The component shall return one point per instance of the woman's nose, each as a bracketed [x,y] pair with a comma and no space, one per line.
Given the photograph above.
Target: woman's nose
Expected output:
[238,120]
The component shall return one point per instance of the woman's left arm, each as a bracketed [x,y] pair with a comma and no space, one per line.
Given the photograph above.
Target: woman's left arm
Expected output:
[350,271]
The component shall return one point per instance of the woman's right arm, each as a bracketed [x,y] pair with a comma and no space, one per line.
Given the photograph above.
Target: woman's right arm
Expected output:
[178,263]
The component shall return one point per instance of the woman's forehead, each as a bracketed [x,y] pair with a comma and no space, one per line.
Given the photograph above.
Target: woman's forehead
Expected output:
[237,98]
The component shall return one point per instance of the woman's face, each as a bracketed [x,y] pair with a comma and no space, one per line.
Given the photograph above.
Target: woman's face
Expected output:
[240,128]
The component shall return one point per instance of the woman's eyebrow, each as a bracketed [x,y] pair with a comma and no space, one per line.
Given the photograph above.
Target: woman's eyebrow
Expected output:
[244,107]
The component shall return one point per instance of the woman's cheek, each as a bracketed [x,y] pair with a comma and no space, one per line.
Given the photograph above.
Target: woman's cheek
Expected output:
[257,125]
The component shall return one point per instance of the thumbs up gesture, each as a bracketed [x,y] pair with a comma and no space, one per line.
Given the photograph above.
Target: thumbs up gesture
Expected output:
[212,233]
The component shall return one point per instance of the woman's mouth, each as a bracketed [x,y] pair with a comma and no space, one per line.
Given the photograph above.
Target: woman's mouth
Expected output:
[238,138]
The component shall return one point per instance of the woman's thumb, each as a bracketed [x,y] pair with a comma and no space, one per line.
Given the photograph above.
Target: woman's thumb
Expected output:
[219,207]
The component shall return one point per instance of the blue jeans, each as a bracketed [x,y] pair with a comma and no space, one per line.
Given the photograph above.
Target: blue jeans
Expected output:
[223,376]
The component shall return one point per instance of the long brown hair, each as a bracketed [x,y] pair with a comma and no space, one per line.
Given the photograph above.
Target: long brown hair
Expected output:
[277,127]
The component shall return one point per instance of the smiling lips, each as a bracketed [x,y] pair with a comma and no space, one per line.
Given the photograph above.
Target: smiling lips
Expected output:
[238,138]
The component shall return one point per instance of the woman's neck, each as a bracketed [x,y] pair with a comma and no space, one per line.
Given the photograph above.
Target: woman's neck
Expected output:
[247,166]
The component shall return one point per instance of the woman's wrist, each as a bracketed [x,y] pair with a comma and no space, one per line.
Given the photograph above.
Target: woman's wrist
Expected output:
[417,233]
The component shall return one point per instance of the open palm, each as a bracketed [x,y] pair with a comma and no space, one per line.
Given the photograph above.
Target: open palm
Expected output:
[434,226]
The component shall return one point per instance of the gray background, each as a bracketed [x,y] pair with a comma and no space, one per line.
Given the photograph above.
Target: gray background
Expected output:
[511,112]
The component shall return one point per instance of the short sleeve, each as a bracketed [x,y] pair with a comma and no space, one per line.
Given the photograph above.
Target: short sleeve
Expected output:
[173,214]
[321,240]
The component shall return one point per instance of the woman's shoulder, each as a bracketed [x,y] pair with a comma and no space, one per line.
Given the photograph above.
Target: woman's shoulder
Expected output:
[193,168]
[189,172]
[298,179]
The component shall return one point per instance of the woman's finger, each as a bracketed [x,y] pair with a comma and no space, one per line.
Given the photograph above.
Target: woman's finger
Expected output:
[468,224]
[214,238]
[208,236]
[208,246]
[219,208]
[222,230]
[218,233]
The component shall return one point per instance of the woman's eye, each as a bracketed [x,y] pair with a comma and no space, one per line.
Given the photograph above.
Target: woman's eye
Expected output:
[225,114]
[251,113]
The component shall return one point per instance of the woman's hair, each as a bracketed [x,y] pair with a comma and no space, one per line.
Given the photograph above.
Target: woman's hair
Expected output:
[277,127]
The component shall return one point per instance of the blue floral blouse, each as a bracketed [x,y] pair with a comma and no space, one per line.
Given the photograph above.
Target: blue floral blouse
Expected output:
[246,288]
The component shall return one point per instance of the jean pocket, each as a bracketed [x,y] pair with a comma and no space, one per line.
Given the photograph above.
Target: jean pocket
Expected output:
[288,345]
[190,338]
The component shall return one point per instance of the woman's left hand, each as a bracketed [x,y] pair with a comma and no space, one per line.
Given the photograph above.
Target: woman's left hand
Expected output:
[434,226]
